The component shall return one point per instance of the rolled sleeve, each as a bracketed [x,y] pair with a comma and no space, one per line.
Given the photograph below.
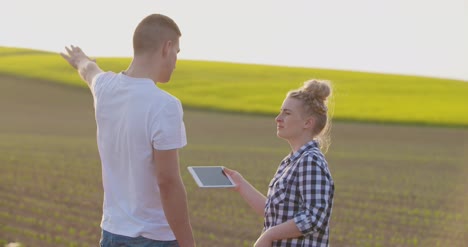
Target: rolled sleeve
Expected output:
[315,188]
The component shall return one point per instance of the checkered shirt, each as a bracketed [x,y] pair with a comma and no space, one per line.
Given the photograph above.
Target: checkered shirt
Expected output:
[302,189]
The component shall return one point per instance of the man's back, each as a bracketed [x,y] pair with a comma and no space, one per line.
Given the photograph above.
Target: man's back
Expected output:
[140,131]
[134,117]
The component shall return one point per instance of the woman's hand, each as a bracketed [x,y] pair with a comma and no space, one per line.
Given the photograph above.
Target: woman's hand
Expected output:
[252,196]
[236,177]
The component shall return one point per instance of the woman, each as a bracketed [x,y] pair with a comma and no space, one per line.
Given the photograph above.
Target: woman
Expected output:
[298,205]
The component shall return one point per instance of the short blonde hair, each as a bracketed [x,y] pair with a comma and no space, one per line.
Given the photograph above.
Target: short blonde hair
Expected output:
[314,96]
[152,31]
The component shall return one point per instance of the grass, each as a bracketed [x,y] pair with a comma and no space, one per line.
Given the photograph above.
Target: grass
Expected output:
[395,185]
[259,89]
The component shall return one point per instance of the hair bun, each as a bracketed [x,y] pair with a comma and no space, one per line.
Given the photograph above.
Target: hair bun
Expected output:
[319,90]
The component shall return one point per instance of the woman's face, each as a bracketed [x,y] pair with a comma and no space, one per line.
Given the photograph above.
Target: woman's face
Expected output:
[290,123]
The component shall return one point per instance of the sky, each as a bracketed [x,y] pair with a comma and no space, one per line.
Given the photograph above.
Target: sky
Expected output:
[411,37]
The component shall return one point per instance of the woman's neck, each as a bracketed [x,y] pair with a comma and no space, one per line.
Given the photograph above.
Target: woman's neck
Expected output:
[296,144]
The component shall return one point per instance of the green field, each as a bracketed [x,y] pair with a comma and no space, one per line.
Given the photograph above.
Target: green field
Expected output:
[398,184]
[395,185]
[362,97]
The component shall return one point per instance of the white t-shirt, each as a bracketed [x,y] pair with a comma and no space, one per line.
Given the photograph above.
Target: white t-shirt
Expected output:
[133,116]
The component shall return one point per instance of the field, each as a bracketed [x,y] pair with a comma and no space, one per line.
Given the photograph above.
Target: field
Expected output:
[396,185]
[359,97]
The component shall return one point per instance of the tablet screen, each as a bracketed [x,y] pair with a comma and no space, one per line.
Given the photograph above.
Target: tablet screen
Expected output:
[210,176]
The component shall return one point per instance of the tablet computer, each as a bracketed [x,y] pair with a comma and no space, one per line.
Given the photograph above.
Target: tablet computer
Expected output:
[210,177]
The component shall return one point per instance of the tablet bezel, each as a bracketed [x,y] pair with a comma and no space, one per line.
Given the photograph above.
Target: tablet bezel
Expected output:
[201,185]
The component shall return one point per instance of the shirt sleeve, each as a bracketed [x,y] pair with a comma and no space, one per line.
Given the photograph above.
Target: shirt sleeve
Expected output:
[95,83]
[168,129]
[96,86]
[315,188]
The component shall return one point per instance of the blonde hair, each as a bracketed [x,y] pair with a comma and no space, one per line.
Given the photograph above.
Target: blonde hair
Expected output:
[152,31]
[314,95]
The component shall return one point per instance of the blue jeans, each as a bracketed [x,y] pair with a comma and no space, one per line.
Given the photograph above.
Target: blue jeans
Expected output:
[113,240]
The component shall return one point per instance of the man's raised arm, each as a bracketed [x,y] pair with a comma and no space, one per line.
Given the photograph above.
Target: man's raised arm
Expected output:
[87,68]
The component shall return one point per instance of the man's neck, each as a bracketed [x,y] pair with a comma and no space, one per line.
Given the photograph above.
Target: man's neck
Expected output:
[141,68]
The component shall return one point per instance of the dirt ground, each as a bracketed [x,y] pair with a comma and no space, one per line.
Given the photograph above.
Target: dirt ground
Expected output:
[396,185]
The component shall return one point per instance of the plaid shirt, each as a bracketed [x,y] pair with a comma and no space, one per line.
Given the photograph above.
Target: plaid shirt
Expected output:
[302,189]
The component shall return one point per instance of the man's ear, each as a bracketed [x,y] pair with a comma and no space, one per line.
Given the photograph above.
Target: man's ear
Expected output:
[167,47]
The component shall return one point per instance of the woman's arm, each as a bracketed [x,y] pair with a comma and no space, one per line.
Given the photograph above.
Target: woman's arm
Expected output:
[316,189]
[252,196]
[284,230]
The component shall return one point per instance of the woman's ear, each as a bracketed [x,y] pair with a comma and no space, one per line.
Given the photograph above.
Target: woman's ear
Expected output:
[309,122]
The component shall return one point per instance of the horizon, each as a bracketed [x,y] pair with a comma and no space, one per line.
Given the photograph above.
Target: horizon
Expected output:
[273,65]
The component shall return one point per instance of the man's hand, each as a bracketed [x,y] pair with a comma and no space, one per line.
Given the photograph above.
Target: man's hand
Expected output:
[75,56]
[87,68]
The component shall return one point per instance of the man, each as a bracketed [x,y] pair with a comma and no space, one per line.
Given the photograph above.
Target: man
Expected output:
[139,131]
